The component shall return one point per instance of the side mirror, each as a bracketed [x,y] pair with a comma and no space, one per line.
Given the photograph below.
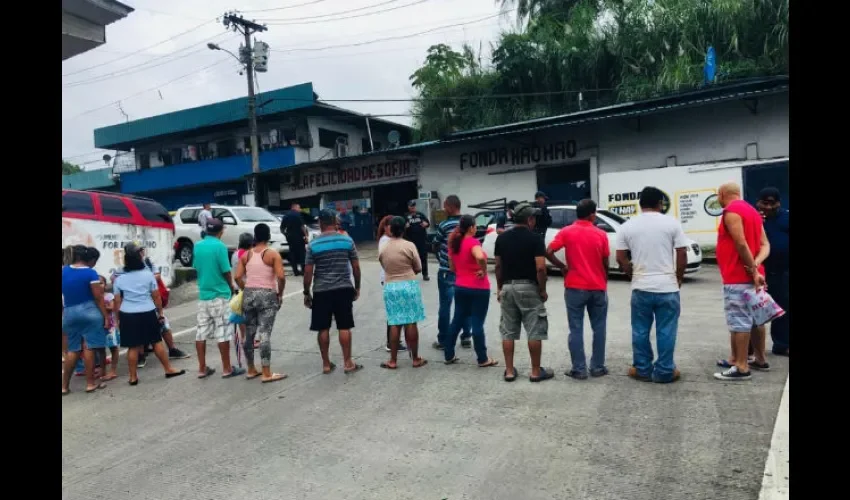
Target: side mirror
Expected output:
[605,227]
[229,220]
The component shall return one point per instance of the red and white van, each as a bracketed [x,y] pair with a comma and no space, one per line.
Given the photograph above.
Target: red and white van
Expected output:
[107,221]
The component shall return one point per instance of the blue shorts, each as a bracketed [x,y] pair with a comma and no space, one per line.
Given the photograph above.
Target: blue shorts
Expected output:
[84,322]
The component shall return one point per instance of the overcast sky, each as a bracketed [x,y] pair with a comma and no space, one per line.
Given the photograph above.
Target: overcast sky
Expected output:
[170,76]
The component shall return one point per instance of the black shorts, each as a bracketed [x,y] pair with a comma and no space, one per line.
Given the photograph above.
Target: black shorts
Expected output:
[337,305]
[138,329]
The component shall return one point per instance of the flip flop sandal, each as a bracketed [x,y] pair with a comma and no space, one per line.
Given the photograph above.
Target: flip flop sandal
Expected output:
[175,374]
[724,363]
[331,370]
[356,368]
[276,377]
[133,382]
[388,366]
[489,363]
[101,385]
[252,377]
[544,375]
[452,361]
[108,378]
[65,393]
[207,372]
[234,372]
[510,378]
[422,362]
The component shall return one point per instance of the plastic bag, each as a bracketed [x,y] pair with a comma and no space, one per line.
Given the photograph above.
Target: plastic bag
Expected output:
[762,306]
[236,303]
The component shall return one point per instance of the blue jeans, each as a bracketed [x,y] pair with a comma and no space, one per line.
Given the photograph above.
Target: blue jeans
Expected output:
[596,303]
[446,287]
[470,307]
[664,308]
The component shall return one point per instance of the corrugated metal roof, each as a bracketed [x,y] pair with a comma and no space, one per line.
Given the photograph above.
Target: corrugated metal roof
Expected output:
[121,136]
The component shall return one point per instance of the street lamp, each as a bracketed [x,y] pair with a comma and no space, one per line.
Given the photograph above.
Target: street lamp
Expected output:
[213,46]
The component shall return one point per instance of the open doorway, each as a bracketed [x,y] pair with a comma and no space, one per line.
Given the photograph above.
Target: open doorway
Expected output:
[565,184]
[392,199]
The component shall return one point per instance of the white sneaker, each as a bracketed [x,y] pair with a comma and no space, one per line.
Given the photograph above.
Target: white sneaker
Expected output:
[732,374]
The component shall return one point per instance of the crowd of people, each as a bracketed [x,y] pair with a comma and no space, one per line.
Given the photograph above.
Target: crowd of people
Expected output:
[752,252]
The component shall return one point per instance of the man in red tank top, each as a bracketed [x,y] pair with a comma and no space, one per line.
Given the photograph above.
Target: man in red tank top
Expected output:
[742,246]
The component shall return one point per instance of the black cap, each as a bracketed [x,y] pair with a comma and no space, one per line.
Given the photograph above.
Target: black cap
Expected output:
[214,226]
[769,192]
[541,194]
[523,211]
[411,203]
[133,248]
[327,217]
[512,204]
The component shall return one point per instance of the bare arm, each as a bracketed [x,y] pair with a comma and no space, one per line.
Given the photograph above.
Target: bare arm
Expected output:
[355,270]
[681,264]
[624,262]
[240,272]
[735,226]
[478,255]
[551,257]
[414,258]
[279,272]
[116,306]
[97,292]
[157,301]
[540,264]
[764,250]
[499,280]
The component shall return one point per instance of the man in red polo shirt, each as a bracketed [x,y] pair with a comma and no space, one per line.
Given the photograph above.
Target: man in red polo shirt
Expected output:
[586,283]
[742,246]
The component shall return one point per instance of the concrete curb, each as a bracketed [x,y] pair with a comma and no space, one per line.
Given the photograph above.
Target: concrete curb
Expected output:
[776,474]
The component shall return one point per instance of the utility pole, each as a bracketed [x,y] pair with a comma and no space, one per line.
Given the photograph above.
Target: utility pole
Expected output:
[237,23]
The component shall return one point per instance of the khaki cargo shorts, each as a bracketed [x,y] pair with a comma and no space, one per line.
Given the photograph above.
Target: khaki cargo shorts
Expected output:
[522,306]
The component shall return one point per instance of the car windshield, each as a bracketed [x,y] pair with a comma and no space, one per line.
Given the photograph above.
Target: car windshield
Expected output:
[613,216]
[254,214]
[484,219]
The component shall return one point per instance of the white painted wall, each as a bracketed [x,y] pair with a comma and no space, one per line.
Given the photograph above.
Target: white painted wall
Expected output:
[355,135]
[710,133]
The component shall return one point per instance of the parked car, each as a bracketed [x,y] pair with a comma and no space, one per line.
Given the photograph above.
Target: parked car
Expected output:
[107,221]
[309,221]
[236,219]
[482,220]
[564,215]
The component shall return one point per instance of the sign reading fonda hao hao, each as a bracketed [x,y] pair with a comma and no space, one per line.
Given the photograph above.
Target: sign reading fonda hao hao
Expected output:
[519,155]
[351,176]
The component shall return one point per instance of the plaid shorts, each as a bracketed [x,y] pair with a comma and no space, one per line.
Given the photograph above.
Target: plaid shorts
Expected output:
[738,316]
[214,321]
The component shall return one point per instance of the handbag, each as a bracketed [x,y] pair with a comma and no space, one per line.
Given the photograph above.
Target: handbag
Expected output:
[762,306]
[236,303]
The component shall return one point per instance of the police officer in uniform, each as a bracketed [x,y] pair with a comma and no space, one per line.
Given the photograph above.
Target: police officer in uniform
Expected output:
[417,224]
[544,219]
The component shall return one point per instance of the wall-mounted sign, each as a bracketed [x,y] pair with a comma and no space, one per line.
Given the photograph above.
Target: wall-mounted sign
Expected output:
[326,179]
[519,155]
[225,192]
[624,201]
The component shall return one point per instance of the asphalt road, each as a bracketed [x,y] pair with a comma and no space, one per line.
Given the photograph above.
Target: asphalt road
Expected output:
[441,432]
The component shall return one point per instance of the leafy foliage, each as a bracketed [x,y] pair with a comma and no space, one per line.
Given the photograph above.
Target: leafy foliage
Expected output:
[568,54]
[70,168]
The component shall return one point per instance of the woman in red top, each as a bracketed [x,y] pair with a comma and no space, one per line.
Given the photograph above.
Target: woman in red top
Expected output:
[472,291]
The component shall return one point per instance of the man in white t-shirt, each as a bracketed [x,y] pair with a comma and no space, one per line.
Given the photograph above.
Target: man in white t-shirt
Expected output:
[203,216]
[656,266]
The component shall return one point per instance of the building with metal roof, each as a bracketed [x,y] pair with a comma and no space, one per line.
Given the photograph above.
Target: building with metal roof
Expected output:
[84,23]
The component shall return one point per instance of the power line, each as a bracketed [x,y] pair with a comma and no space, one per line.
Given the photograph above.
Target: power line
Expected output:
[285,8]
[140,50]
[286,22]
[341,12]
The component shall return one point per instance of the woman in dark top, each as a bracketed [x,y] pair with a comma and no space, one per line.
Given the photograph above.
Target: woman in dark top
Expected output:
[84,317]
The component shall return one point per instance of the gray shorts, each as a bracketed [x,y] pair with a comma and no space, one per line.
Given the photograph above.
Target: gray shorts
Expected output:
[739,319]
[522,306]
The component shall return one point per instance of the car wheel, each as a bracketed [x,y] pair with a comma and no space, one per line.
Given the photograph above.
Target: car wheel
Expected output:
[185,253]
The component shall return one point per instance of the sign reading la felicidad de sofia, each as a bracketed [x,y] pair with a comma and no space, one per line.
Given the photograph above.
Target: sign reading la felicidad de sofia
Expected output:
[351,177]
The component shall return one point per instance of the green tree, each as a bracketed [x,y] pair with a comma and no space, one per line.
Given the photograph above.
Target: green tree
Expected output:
[70,168]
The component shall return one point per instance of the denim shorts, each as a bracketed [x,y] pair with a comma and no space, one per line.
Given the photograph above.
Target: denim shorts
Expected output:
[83,322]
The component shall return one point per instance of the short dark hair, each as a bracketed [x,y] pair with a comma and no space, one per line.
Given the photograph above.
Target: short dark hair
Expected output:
[397,226]
[79,253]
[262,233]
[453,201]
[92,255]
[133,262]
[585,208]
[651,197]
[246,241]
[769,192]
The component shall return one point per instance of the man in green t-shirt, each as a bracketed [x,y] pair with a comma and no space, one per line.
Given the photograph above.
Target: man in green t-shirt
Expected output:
[213,268]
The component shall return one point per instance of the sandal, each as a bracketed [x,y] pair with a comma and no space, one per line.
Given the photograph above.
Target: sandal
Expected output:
[101,385]
[422,362]
[356,368]
[207,372]
[175,374]
[490,362]
[234,372]
[330,370]
[544,375]
[65,393]
[275,377]
[252,376]
[111,376]
[510,378]
[388,366]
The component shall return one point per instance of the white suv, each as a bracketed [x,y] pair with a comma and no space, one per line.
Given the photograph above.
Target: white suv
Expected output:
[237,220]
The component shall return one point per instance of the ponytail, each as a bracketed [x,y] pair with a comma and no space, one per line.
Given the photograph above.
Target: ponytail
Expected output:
[456,237]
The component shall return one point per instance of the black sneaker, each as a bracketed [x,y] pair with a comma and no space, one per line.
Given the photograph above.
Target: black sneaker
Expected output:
[601,372]
[466,343]
[762,367]
[176,353]
[143,360]
[437,345]
[401,347]
[426,278]
[732,374]
[576,374]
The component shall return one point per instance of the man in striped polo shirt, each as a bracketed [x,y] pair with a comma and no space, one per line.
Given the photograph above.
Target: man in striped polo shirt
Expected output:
[330,264]
[446,278]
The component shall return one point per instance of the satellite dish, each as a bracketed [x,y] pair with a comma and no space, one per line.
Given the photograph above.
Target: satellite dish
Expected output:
[394,137]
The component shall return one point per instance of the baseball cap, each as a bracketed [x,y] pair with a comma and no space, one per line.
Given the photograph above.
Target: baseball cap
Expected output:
[133,248]
[524,210]
[541,194]
[769,192]
[214,226]
[327,217]
[411,203]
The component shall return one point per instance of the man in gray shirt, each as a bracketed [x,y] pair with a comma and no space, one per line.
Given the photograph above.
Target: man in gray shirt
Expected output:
[203,216]
[330,262]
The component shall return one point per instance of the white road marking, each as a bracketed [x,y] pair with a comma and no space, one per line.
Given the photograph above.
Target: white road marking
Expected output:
[774,485]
